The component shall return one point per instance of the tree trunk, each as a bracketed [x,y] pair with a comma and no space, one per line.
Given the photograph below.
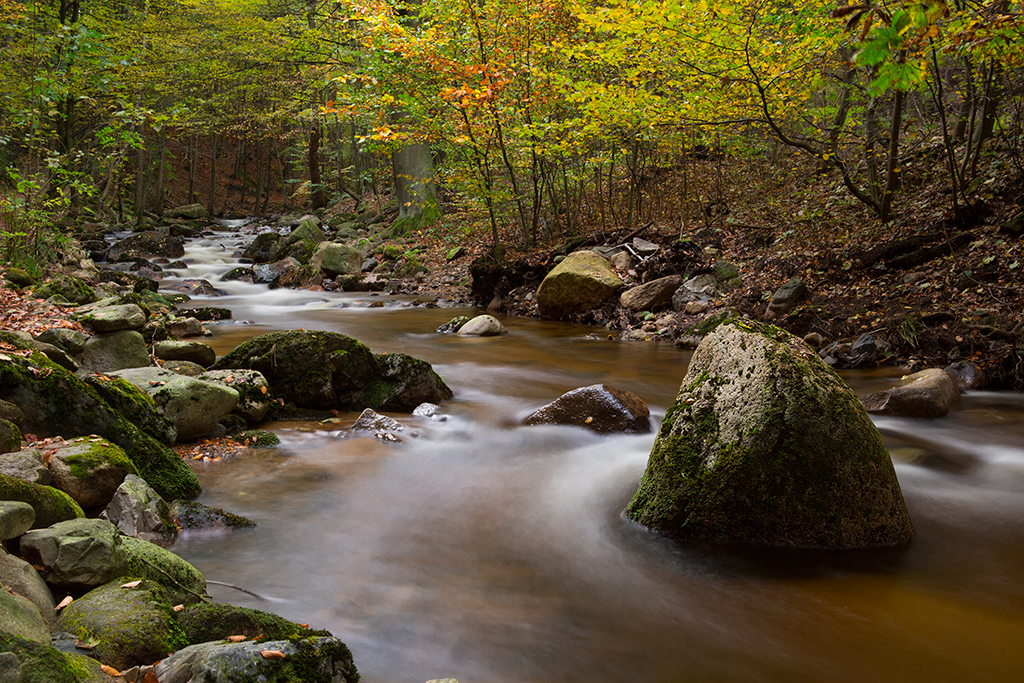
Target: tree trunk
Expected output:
[213,175]
[413,169]
[318,196]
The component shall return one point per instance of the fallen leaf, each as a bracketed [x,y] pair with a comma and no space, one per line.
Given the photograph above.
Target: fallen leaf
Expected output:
[110,671]
[303,625]
[178,608]
[65,602]
[131,584]
[150,677]
[272,654]
[263,390]
[238,639]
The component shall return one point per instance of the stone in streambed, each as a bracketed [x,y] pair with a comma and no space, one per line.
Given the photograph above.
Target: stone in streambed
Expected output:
[16,517]
[193,516]
[482,326]
[26,661]
[114,318]
[651,296]
[183,582]
[253,391]
[51,506]
[10,437]
[584,280]
[600,407]
[206,621]
[929,393]
[197,352]
[22,579]
[21,617]
[26,465]
[767,446]
[76,553]
[89,470]
[139,511]
[115,351]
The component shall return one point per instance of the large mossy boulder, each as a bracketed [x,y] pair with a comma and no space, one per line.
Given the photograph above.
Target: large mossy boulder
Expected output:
[114,318]
[135,405]
[51,505]
[79,553]
[25,661]
[335,259]
[584,280]
[21,617]
[767,446]
[328,370]
[22,579]
[115,351]
[183,582]
[217,621]
[67,287]
[131,625]
[146,245]
[193,405]
[56,402]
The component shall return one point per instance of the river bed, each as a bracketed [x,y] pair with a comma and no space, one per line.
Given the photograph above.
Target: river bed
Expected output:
[494,553]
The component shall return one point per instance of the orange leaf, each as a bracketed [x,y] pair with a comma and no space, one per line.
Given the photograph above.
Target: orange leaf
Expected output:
[65,602]
[272,654]
[237,639]
[178,608]
[131,584]
[110,671]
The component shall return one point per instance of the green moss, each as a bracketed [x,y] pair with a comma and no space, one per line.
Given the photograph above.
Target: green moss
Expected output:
[51,505]
[258,438]
[96,455]
[70,288]
[134,404]
[45,664]
[210,621]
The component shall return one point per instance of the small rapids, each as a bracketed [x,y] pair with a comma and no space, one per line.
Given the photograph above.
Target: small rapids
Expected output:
[489,552]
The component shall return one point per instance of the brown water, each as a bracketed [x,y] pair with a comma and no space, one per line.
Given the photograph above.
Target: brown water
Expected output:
[499,554]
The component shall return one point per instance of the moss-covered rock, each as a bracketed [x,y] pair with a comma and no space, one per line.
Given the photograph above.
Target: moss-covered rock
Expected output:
[22,579]
[402,383]
[10,437]
[582,281]
[257,438]
[71,341]
[262,248]
[68,287]
[766,445]
[212,621]
[193,516]
[31,662]
[115,351]
[56,402]
[253,391]
[309,657]
[22,618]
[183,582]
[131,626]
[89,469]
[195,351]
[51,505]
[113,318]
[134,404]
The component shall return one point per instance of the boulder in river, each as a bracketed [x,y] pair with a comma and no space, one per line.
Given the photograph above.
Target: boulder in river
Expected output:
[195,351]
[253,391]
[928,393]
[767,446]
[335,259]
[652,295]
[584,280]
[113,318]
[89,469]
[115,351]
[139,511]
[482,326]
[147,244]
[600,407]
[77,553]
[328,370]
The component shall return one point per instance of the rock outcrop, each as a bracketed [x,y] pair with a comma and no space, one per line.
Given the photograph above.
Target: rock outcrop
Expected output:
[767,446]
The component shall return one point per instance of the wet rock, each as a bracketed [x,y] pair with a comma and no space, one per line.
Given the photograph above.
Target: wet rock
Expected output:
[180,328]
[584,280]
[966,375]
[135,405]
[327,370]
[145,245]
[209,313]
[253,391]
[320,658]
[26,465]
[453,325]
[785,298]
[25,660]
[80,553]
[929,393]
[183,582]
[652,295]
[301,277]
[115,351]
[197,352]
[16,518]
[261,248]
[139,511]
[482,326]
[196,517]
[23,579]
[19,277]
[199,287]
[194,406]
[268,273]
[131,626]
[89,470]
[257,438]
[67,287]
[426,410]
[600,407]
[767,446]
[383,427]
[51,506]
[20,617]
[240,274]
[207,622]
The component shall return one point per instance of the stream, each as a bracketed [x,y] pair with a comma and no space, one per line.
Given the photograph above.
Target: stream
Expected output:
[494,553]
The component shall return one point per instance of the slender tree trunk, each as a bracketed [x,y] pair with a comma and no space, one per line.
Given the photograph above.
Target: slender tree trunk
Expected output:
[318,196]
[160,172]
[213,175]
[193,144]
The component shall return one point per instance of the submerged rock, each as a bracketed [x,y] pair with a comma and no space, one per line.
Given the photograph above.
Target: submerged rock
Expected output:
[600,407]
[765,445]
[482,326]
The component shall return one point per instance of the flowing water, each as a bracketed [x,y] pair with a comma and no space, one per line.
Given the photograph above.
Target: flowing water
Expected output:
[494,553]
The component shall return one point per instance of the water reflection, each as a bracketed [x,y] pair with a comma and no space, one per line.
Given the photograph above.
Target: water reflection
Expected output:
[490,552]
